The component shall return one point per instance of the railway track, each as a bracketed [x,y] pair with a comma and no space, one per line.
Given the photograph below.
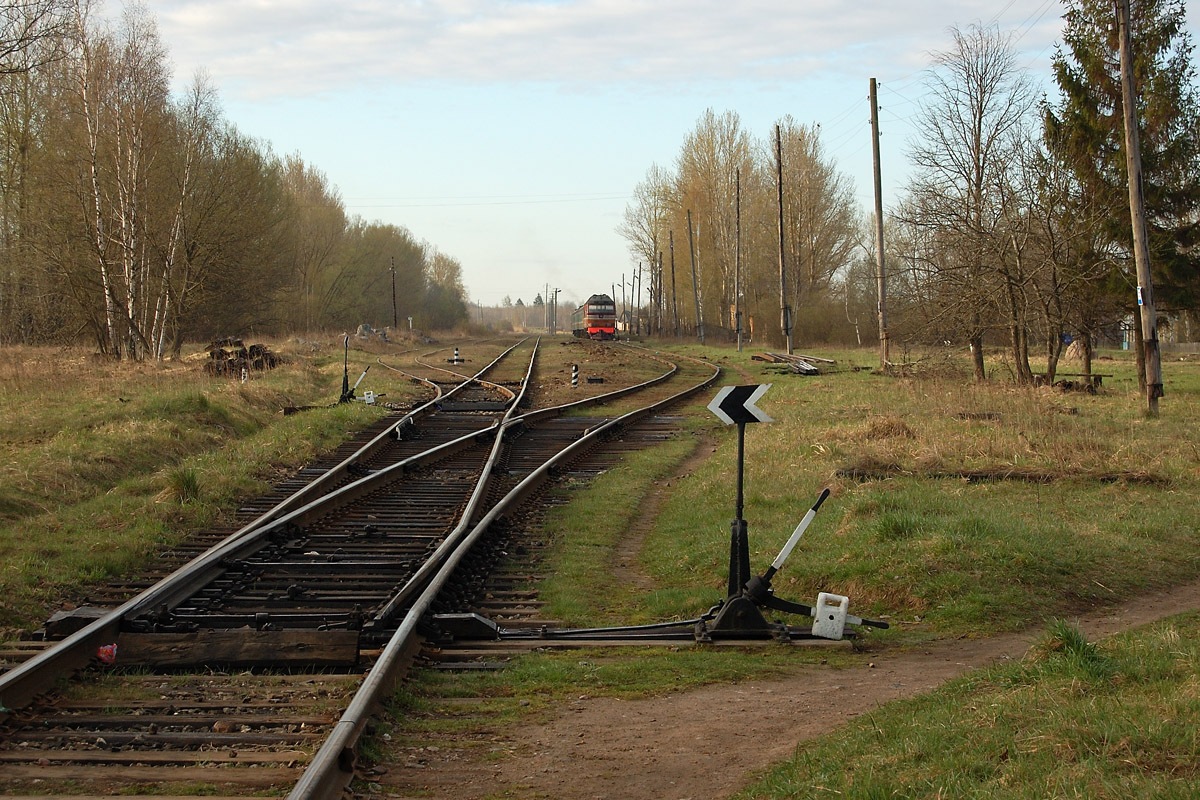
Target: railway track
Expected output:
[255,666]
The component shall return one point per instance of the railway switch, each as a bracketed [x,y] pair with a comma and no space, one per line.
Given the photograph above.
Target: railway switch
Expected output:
[740,615]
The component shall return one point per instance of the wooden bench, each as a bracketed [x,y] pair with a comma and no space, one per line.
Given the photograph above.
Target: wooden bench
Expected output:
[1094,379]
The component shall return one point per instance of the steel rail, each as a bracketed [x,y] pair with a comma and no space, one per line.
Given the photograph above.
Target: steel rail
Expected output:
[475,378]
[466,381]
[450,543]
[340,470]
[433,563]
[332,768]
[20,685]
[554,411]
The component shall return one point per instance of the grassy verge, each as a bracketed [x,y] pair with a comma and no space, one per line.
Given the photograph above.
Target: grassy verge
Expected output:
[1075,719]
[583,587]
[1087,502]
[105,464]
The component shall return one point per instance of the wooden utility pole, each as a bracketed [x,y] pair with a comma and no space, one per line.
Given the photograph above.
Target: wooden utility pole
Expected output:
[624,306]
[640,285]
[636,294]
[785,311]
[695,281]
[737,260]
[674,295]
[1137,214]
[395,315]
[880,274]
[658,303]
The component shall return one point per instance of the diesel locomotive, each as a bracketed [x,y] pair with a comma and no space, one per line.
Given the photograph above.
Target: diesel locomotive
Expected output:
[595,319]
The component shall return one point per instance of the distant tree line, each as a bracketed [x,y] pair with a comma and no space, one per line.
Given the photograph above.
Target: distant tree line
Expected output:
[140,220]
[1014,230]
[707,232]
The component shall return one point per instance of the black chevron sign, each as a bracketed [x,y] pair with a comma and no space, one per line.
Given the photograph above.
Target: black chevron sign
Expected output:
[736,404]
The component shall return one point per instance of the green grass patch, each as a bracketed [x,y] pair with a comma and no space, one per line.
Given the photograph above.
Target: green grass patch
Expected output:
[583,588]
[1075,719]
[110,463]
[934,554]
[49,556]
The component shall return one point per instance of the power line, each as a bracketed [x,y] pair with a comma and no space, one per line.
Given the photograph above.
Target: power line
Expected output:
[461,202]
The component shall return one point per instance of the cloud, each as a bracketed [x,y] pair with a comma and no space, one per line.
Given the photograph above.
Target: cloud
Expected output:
[302,47]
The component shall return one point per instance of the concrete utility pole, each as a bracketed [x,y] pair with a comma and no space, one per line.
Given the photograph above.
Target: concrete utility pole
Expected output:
[785,311]
[880,275]
[624,306]
[1137,214]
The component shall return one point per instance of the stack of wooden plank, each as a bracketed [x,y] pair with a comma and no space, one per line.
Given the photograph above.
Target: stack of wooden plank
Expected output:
[799,364]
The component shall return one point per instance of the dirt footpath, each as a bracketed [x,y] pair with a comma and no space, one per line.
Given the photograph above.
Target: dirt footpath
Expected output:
[708,743]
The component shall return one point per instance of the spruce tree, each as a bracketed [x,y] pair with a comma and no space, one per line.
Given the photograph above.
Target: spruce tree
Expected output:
[1086,131]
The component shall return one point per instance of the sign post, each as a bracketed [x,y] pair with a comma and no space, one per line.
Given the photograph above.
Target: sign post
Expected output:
[735,405]
[741,613]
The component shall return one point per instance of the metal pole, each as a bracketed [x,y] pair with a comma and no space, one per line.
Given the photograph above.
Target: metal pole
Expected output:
[739,540]
[346,397]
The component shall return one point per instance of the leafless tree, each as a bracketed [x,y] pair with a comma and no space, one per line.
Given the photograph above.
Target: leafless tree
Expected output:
[31,32]
[645,228]
[979,103]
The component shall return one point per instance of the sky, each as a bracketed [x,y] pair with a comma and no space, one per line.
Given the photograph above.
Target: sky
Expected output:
[512,134]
